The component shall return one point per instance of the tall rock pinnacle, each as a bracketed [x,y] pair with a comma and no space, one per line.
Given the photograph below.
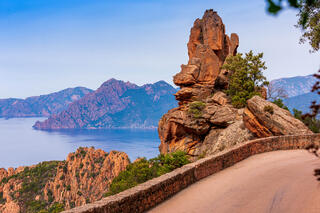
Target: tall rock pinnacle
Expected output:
[208,48]
[205,121]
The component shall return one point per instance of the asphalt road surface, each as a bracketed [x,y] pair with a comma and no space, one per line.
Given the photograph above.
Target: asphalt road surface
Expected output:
[277,182]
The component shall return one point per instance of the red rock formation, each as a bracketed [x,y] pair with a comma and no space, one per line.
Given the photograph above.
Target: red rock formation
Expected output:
[205,121]
[208,48]
[84,177]
[277,122]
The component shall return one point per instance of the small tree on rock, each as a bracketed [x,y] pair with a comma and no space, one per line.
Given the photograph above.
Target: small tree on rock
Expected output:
[247,77]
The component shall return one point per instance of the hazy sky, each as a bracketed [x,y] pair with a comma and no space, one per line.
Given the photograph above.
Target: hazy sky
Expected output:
[49,45]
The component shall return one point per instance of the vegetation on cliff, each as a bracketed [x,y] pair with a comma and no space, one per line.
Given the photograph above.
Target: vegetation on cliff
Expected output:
[214,68]
[247,77]
[32,182]
[279,103]
[195,108]
[143,170]
[312,122]
[57,185]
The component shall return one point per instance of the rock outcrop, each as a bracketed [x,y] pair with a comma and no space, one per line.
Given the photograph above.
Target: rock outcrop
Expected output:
[116,104]
[208,48]
[82,178]
[205,121]
[276,121]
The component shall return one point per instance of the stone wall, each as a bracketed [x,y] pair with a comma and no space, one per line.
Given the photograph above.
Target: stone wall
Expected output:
[153,192]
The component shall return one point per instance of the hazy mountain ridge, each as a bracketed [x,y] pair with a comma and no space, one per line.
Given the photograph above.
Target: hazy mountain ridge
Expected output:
[295,85]
[299,91]
[301,102]
[127,105]
[116,104]
[43,105]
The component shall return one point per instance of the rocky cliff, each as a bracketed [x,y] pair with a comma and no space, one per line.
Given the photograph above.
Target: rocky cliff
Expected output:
[82,178]
[43,105]
[116,104]
[205,121]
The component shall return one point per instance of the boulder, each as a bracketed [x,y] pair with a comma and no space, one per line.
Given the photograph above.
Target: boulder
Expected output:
[220,98]
[195,92]
[254,126]
[223,116]
[188,75]
[220,139]
[265,119]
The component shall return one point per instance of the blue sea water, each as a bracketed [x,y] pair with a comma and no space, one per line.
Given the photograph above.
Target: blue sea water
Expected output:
[21,145]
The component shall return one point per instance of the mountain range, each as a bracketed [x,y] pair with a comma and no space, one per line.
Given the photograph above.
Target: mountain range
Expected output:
[43,105]
[295,85]
[116,104]
[299,92]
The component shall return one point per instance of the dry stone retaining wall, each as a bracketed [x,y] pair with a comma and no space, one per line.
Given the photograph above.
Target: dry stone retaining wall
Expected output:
[153,192]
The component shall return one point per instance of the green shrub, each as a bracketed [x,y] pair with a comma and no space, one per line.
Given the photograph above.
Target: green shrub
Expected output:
[144,170]
[2,199]
[195,108]
[33,181]
[72,204]
[268,109]
[311,122]
[87,200]
[50,196]
[247,77]
[56,207]
[35,206]
[4,180]
[82,151]
[280,104]
[65,168]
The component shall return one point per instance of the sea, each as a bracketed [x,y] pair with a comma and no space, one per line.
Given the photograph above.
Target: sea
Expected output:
[21,145]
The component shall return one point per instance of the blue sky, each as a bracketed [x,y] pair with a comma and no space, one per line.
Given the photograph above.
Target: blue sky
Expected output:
[46,46]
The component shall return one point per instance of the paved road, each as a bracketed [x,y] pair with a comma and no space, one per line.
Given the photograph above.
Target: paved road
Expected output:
[280,181]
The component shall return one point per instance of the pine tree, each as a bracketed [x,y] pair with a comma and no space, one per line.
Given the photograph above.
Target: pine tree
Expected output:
[247,77]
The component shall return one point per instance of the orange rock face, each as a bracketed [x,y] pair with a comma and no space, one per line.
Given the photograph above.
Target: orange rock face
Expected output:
[89,173]
[208,48]
[205,121]
[254,126]
[82,178]
[278,122]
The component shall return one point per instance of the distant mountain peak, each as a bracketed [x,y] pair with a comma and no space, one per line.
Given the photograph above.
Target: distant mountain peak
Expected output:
[116,104]
[295,85]
[112,82]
